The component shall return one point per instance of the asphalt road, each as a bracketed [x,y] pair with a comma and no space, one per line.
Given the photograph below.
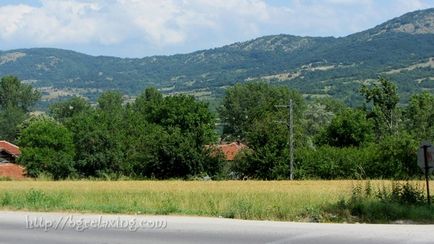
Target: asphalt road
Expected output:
[30,227]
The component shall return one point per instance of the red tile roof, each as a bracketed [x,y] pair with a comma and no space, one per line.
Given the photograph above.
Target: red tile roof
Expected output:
[10,148]
[13,171]
[231,149]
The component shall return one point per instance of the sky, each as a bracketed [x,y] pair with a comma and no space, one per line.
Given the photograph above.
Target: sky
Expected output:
[139,28]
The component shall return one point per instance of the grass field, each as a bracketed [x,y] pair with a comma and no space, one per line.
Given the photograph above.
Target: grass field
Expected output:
[263,200]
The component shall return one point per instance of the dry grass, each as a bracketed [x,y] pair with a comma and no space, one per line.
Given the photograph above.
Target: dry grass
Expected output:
[272,200]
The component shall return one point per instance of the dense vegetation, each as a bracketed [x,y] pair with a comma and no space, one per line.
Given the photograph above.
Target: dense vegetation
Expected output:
[16,100]
[377,140]
[316,66]
[164,137]
[153,137]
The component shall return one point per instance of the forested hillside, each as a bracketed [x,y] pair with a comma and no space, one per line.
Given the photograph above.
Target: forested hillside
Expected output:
[401,49]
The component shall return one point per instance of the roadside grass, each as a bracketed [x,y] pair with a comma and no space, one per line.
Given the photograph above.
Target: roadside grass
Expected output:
[311,201]
[399,202]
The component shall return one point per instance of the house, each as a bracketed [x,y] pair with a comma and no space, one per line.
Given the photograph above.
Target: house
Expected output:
[8,155]
[8,152]
[230,150]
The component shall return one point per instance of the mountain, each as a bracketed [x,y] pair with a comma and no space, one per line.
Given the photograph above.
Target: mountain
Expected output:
[401,49]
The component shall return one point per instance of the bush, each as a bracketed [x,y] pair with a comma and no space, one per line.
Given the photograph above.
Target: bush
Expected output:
[328,162]
[265,163]
[162,154]
[349,128]
[392,158]
[406,194]
[400,201]
[396,158]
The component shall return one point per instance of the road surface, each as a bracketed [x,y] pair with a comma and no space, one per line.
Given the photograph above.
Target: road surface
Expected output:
[31,227]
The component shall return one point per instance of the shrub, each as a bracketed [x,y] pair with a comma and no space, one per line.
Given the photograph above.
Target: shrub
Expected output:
[332,163]
[400,201]
[396,158]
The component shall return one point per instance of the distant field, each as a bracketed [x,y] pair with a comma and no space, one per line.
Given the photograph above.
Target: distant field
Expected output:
[264,200]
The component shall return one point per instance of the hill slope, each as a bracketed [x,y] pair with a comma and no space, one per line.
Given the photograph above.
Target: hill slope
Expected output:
[402,48]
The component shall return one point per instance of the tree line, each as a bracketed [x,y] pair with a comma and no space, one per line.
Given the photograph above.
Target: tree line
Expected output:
[164,137]
[333,141]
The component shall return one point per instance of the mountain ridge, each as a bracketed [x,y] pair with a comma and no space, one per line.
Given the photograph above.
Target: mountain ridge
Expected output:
[317,66]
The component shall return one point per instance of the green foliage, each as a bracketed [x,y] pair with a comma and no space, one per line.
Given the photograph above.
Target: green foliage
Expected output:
[47,147]
[172,155]
[16,100]
[249,113]
[10,118]
[98,150]
[245,104]
[154,137]
[396,158]
[167,137]
[344,136]
[313,65]
[384,98]
[348,128]
[331,104]
[419,116]
[110,102]
[328,162]
[392,158]
[64,110]
[267,156]
[317,116]
[400,201]
[15,94]
[164,137]
[180,111]
[403,193]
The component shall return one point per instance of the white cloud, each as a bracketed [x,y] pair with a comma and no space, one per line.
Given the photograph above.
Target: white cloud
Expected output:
[143,27]
[162,22]
[406,5]
[11,19]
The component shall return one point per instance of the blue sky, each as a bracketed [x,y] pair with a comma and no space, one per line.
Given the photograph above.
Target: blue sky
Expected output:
[138,28]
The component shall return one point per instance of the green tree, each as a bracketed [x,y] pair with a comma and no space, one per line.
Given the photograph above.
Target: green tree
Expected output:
[10,118]
[396,158]
[16,100]
[67,109]
[169,135]
[148,102]
[349,128]
[331,104]
[179,111]
[89,139]
[47,147]
[155,136]
[174,155]
[98,143]
[250,114]
[268,153]
[419,116]
[317,117]
[246,103]
[98,133]
[327,162]
[15,94]
[383,95]
[110,102]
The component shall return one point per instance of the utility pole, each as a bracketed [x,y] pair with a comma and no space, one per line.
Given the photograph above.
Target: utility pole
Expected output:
[290,125]
[425,148]
[425,160]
